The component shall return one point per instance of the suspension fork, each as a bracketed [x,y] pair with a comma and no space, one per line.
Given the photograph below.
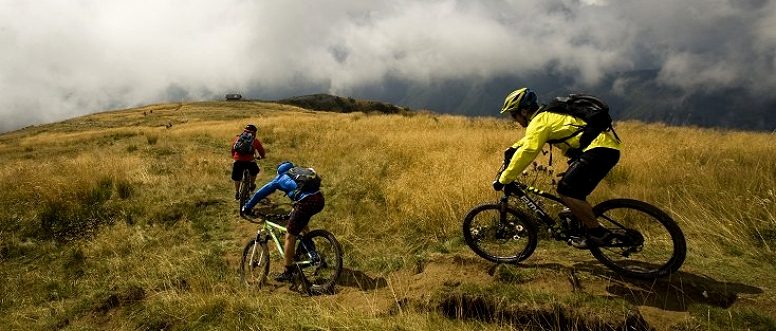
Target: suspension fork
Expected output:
[262,236]
[502,217]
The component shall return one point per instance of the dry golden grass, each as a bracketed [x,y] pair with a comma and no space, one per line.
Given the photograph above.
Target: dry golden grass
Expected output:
[164,251]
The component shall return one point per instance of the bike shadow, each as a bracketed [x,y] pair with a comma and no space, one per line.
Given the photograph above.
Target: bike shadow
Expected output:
[675,292]
[360,280]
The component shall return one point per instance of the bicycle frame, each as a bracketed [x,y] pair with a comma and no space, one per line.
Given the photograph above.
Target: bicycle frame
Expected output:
[269,229]
[273,230]
[519,190]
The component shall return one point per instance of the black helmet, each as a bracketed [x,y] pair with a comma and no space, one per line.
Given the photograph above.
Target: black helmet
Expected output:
[251,128]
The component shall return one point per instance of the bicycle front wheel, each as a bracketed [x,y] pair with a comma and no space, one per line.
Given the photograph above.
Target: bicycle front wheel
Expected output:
[652,245]
[254,265]
[510,240]
[320,264]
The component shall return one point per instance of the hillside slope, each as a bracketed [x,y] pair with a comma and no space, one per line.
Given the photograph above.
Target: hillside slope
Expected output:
[125,220]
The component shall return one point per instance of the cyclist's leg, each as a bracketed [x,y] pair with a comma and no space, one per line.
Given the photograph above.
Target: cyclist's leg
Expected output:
[237,169]
[297,223]
[581,179]
[253,168]
[581,209]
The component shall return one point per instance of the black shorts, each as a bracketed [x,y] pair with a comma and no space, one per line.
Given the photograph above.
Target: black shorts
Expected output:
[304,210]
[584,174]
[239,166]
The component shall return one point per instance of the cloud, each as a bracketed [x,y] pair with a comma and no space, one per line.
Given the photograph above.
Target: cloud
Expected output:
[60,59]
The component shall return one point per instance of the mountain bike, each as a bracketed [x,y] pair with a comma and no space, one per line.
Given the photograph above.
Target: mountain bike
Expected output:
[647,243]
[244,192]
[317,259]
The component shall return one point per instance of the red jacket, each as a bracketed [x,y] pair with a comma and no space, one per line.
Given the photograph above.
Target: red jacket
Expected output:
[245,157]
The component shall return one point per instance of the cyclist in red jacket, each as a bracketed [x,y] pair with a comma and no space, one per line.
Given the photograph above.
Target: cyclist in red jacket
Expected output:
[246,157]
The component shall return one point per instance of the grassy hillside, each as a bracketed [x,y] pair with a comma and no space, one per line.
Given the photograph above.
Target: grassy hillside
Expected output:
[125,220]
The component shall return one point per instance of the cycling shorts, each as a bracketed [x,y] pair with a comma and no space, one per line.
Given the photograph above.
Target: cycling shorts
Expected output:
[304,210]
[239,166]
[584,174]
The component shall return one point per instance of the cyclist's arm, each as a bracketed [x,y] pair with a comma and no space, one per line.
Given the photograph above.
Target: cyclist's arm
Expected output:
[287,185]
[259,148]
[266,190]
[231,147]
[536,135]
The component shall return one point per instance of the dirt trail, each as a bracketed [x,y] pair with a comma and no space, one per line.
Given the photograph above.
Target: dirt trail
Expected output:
[660,303]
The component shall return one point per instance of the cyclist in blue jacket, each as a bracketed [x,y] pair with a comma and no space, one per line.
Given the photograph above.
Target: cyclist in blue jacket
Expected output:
[307,202]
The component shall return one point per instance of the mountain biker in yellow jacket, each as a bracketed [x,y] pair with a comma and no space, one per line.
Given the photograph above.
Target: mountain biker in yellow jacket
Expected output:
[585,170]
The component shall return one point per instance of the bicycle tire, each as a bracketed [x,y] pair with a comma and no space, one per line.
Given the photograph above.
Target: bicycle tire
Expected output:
[321,275]
[244,191]
[254,265]
[480,234]
[662,239]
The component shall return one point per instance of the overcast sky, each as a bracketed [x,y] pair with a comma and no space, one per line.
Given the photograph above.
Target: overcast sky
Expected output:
[64,58]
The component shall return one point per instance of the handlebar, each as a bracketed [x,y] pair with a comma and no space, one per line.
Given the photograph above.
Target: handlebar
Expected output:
[260,217]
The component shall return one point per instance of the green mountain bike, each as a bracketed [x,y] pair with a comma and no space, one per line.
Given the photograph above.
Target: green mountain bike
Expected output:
[647,242]
[317,262]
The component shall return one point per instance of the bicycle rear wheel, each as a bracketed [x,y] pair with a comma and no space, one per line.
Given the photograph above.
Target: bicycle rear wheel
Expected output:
[254,265]
[245,190]
[515,241]
[322,264]
[651,244]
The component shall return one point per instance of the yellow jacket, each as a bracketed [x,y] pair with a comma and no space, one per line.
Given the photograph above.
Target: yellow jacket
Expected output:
[544,126]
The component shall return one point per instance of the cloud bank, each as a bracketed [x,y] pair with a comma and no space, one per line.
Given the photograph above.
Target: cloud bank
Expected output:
[60,59]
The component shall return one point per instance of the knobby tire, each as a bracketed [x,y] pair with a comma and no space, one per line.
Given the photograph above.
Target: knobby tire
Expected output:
[663,251]
[244,191]
[322,275]
[254,265]
[513,244]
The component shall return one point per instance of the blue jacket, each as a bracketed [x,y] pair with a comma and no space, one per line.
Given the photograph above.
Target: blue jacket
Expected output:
[281,182]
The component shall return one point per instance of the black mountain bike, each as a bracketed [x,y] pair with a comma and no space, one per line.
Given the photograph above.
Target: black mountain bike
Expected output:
[244,192]
[647,243]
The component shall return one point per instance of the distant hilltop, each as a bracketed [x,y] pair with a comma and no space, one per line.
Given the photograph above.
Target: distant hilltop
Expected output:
[333,103]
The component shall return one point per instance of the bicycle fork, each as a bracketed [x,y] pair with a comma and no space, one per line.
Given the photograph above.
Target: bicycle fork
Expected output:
[504,227]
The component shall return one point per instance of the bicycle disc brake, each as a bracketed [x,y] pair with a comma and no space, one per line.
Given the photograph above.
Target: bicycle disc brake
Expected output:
[630,240]
[509,231]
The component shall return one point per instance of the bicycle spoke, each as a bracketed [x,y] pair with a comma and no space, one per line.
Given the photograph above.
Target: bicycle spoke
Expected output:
[320,264]
[499,237]
[648,244]
[254,265]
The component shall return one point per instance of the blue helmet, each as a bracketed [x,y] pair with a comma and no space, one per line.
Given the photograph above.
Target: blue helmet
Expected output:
[284,166]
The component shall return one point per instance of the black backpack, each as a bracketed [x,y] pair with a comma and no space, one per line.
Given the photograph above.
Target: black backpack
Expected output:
[307,180]
[592,110]
[244,144]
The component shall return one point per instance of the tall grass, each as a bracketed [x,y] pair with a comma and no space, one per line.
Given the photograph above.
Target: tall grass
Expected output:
[152,235]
